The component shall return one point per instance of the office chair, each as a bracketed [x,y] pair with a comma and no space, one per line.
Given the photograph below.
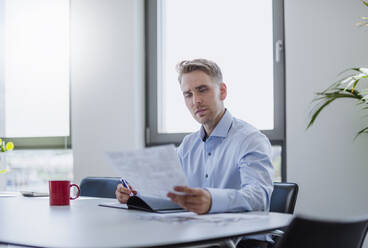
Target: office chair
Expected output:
[283,197]
[307,233]
[283,200]
[99,186]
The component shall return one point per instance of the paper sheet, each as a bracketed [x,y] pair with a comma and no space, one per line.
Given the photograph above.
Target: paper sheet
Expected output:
[113,205]
[152,171]
[217,219]
[9,194]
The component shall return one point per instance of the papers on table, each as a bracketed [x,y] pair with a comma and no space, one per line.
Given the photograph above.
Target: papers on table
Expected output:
[218,219]
[9,194]
[152,171]
[190,217]
[114,205]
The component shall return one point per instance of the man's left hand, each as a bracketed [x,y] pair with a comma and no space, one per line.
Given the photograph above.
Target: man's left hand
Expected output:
[196,200]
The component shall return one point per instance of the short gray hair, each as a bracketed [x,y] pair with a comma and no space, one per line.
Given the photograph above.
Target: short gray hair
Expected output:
[207,66]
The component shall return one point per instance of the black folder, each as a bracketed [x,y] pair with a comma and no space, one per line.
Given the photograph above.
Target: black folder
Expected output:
[148,203]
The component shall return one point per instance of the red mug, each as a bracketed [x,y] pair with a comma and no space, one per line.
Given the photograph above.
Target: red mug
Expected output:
[60,192]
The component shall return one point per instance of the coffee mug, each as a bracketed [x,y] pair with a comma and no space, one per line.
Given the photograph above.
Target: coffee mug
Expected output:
[60,192]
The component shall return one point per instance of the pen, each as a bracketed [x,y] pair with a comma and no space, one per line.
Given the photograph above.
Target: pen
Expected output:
[125,184]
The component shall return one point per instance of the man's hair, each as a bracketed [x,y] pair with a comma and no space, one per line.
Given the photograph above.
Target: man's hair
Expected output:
[207,66]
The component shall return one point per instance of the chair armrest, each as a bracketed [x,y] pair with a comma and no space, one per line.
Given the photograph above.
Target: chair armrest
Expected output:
[277,233]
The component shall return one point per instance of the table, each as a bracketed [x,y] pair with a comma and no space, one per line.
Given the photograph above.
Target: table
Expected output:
[32,222]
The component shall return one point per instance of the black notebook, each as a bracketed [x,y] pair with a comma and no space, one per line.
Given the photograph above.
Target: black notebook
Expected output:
[147,203]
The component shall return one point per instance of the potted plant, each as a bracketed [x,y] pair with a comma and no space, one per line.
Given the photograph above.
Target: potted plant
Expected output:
[4,146]
[346,87]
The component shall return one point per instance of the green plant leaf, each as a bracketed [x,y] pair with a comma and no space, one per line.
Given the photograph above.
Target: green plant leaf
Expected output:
[349,69]
[364,70]
[354,85]
[364,130]
[350,79]
[362,23]
[365,3]
[316,113]
[326,98]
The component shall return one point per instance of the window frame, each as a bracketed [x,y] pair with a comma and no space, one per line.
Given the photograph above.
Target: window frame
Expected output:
[41,142]
[277,136]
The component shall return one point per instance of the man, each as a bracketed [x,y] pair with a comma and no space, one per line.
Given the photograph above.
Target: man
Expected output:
[228,161]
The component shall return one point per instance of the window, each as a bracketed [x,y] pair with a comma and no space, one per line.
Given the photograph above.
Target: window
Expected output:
[34,92]
[34,85]
[244,37]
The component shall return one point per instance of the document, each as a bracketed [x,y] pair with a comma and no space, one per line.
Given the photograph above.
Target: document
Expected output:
[217,219]
[9,194]
[176,216]
[151,171]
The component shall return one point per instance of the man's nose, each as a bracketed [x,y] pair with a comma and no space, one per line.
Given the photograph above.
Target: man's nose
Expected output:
[196,99]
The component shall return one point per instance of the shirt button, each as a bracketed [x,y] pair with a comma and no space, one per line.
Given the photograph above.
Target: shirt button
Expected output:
[206,175]
[209,154]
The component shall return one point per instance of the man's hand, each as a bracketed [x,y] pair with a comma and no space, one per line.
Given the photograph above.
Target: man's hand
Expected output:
[196,200]
[123,194]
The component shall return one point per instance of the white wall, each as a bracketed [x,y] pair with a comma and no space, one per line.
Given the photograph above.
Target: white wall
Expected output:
[107,76]
[331,169]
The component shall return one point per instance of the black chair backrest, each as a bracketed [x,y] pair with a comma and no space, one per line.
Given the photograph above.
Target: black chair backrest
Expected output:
[307,233]
[283,197]
[99,186]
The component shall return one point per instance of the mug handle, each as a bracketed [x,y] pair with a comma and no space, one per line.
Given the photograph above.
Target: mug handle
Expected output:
[78,194]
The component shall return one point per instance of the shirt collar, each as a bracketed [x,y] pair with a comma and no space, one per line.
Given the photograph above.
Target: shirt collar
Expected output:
[222,127]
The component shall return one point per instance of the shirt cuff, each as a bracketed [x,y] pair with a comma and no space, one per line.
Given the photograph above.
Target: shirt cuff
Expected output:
[218,200]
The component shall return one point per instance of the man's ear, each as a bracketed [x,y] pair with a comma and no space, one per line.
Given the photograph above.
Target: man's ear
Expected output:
[223,91]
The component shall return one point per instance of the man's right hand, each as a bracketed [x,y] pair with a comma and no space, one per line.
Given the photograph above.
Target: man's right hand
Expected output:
[123,194]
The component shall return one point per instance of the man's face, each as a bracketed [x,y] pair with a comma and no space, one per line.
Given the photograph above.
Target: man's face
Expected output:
[203,97]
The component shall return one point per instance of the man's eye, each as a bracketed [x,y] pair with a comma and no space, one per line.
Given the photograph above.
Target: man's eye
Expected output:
[187,95]
[203,90]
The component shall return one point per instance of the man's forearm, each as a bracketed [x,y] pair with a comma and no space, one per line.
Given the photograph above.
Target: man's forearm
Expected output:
[249,198]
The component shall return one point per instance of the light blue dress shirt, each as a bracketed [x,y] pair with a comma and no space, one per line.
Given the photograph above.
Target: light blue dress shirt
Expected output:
[233,164]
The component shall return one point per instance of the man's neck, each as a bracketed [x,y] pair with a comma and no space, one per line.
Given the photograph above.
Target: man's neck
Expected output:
[209,127]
